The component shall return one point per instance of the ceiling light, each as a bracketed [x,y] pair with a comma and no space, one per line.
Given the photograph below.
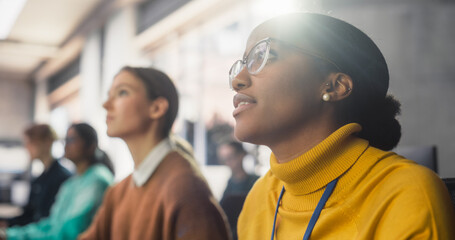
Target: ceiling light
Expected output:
[9,11]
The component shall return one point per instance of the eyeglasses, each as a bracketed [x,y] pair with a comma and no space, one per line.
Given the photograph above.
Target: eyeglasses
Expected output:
[258,56]
[70,140]
[255,60]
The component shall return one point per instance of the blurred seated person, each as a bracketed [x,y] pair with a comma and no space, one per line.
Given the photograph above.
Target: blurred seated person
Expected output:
[38,140]
[231,154]
[79,197]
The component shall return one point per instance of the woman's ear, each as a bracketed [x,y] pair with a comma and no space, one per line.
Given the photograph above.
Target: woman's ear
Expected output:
[337,86]
[158,108]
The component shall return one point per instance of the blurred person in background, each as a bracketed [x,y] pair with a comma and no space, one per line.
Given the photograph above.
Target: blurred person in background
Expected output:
[232,154]
[217,131]
[79,197]
[314,90]
[166,197]
[38,140]
[239,184]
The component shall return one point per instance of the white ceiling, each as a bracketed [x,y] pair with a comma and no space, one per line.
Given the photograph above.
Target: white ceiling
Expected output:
[41,29]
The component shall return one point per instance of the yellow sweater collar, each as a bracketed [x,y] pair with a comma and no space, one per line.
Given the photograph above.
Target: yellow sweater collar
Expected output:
[321,164]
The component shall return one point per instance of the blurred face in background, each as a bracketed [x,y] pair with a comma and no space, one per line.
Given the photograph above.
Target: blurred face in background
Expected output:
[127,107]
[74,146]
[37,149]
[230,157]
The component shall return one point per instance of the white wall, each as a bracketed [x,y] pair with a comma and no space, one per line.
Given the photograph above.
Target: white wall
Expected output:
[15,107]
[118,52]
[417,42]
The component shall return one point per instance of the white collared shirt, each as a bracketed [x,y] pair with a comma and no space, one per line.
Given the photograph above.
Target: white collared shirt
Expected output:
[151,162]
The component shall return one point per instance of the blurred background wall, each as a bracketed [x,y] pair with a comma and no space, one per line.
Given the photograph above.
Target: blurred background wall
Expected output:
[58,61]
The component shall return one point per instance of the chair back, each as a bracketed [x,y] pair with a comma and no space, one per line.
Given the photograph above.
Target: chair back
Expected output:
[423,155]
[450,184]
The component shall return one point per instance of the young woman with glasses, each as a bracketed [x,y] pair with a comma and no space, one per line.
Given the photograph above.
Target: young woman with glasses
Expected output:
[314,89]
[166,197]
[80,196]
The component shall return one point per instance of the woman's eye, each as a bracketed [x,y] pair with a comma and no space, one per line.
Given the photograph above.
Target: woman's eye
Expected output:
[272,55]
[122,92]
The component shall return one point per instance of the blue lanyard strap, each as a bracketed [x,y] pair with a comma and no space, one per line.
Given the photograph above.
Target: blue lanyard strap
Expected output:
[314,218]
[276,211]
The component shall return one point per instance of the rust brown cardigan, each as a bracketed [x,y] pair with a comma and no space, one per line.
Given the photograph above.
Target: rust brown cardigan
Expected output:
[175,203]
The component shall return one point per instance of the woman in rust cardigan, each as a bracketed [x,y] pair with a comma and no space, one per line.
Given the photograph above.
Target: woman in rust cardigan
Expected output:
[165,197]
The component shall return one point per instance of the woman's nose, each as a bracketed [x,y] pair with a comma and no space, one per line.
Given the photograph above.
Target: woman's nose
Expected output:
[106,104]
[241,81]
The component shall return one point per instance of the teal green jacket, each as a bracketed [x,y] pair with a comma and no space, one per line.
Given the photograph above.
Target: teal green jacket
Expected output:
[75,205]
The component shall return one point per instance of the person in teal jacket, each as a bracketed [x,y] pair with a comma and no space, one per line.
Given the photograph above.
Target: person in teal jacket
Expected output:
[80,196]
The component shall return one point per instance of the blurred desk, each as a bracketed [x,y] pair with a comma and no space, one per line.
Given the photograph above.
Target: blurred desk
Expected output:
[9,211]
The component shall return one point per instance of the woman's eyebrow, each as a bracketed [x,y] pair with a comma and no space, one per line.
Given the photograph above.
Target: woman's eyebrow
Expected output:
[125,84]
[120,85]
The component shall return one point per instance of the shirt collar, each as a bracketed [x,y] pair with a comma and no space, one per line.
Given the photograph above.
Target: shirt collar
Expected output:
[151,162]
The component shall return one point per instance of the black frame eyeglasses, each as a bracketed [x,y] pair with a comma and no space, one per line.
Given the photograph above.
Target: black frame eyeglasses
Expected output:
[257,58]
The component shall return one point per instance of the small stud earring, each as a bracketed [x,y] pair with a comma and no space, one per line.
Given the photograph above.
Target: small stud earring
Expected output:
[326,97]
[349,89]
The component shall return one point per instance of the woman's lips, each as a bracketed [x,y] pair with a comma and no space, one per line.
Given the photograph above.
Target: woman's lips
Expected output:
[242,102]
[109,119]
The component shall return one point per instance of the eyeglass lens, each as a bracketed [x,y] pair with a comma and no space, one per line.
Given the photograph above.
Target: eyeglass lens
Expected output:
[235,70]
[257,57]
[255,61]
[70,140]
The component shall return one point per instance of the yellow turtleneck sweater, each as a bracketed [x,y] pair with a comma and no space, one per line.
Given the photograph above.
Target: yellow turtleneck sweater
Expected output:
[379,195]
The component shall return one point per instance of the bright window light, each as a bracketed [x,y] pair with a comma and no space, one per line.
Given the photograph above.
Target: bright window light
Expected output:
[265,9]
[9,11]
[271,8]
